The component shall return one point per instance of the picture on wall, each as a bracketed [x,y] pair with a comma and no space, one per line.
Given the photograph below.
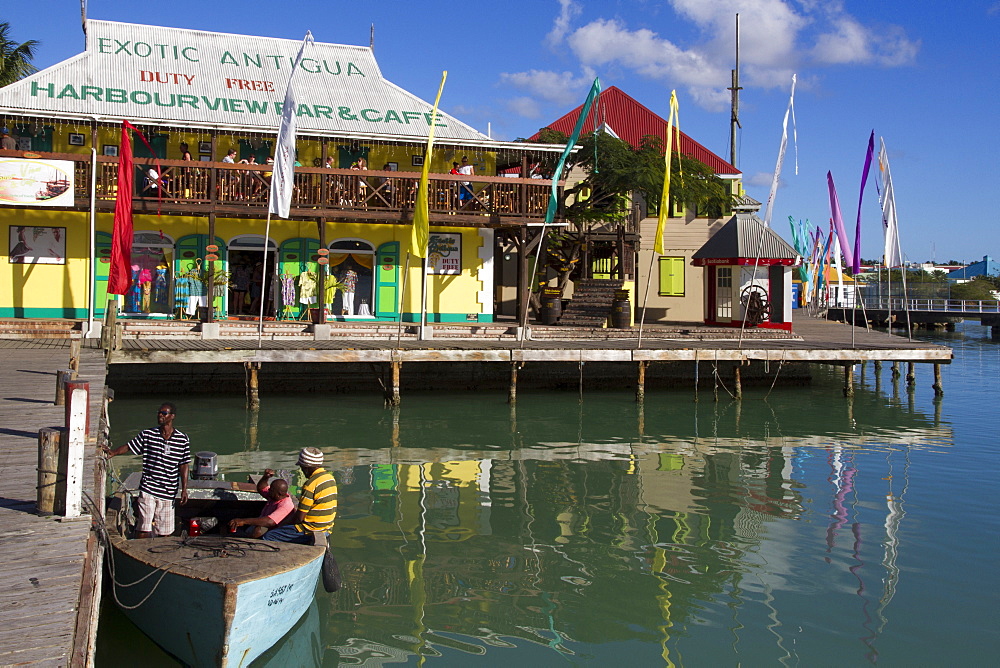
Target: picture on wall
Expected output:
[76,139]
[37,245]
[444,254]
[110,149]
[204,147]
[417,160]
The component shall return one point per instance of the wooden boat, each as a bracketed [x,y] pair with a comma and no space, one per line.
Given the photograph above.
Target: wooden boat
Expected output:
[210,600]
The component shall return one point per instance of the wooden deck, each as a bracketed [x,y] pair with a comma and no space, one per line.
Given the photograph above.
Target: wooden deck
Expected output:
[813,340]
[46,582]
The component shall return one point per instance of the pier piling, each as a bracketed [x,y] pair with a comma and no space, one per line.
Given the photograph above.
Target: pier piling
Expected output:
[393,398]
[738,389]
[640,389]
[62,375]
[48,469]
[253,388]
[849,380]
[512,391]
[74,353]
[911,376]
[938,384]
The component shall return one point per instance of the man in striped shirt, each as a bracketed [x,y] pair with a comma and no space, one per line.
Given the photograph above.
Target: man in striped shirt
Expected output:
[317,506]
[165,453]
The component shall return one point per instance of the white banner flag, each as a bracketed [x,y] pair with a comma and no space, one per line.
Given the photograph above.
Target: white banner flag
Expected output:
[888,201]
[284,154]
[781,154]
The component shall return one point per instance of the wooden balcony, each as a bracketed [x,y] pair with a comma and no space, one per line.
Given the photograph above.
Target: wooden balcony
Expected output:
[200,188]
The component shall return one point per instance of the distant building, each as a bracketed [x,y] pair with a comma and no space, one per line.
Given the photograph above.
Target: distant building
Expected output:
[987,267]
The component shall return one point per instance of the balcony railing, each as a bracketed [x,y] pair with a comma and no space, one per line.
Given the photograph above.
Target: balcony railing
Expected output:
[240,189]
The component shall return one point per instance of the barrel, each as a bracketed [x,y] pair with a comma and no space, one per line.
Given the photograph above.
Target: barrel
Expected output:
[621,310]
[551,306]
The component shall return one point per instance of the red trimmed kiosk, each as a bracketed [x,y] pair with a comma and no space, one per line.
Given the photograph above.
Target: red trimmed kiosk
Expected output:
[748,275]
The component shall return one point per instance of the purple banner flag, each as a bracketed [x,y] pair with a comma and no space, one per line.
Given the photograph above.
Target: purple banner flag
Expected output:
[856,267]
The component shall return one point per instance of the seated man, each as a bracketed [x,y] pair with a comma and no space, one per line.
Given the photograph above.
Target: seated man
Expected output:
[317,505]
[279,507]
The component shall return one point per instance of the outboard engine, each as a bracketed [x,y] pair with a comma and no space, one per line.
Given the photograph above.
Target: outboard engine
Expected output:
[206,466]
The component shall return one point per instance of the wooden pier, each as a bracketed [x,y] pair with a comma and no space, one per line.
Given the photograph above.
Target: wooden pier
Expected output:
[49,591]
[813,341]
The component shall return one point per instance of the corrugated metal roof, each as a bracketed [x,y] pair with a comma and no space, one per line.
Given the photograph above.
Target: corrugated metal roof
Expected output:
[745,203]
[631,121]
[191,77]
[744,236]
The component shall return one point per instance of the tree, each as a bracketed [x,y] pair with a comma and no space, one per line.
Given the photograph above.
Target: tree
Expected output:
[980,288]
[15,59]
[616,173]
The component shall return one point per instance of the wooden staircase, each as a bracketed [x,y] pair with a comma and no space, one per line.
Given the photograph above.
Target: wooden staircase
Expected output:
[593,300]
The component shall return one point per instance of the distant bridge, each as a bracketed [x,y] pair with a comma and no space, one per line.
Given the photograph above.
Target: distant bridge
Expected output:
[922,311]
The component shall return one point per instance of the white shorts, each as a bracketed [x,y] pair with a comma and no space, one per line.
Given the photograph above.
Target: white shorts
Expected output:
[154,510]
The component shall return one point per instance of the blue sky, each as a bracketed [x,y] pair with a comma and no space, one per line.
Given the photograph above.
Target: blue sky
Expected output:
[919,73]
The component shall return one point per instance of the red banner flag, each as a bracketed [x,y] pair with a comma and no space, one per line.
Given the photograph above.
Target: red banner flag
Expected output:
[119,273]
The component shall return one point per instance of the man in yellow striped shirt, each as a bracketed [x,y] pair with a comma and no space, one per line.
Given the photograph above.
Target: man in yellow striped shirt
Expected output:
[317,505]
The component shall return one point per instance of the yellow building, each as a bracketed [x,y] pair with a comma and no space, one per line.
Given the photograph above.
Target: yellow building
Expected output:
[205,100]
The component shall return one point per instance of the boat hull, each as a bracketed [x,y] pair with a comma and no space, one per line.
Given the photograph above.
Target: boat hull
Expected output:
[206,623]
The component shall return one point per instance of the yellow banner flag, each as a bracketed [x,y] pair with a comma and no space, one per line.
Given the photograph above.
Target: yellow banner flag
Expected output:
[421,214]
[673,129]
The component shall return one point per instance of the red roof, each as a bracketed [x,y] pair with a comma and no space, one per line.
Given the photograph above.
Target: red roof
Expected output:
[632,121]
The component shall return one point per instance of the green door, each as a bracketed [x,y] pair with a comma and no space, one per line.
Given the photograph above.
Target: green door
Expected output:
[102,266]
[157,141]
[296,256]
[387,281]
[191,272]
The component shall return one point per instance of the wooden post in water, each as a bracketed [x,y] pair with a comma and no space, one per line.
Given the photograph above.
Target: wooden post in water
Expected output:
[738,389]
[74,353]
[393,397]
[512,391]
[696,377]
[848,380]
[640,387]
[911,376]
[938,384]
[895,370]
[77,428]
[253,388]
[48,469]
[878,368]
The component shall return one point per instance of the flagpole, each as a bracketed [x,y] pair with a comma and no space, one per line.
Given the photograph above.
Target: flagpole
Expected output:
[282,177]
[263,280]
[92,269]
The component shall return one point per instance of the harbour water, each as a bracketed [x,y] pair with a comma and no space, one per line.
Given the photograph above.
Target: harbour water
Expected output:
[795,527]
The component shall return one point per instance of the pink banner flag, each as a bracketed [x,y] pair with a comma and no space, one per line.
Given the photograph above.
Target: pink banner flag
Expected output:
[838,219]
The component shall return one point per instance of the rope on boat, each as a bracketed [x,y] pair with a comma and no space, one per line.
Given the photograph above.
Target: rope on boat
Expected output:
[216,547]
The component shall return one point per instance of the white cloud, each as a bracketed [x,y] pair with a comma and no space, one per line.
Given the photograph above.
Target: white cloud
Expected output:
[761,180]
[777,38]
[524,106]
[558,87]
[850,42]
[568,9]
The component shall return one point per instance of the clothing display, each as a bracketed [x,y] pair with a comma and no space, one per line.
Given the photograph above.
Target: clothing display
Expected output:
[307,287]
